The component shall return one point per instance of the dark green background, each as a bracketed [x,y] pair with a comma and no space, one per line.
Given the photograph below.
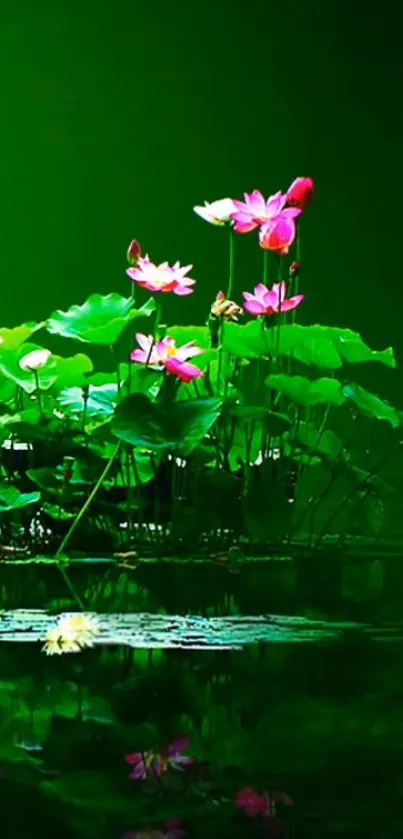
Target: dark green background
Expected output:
[118,117]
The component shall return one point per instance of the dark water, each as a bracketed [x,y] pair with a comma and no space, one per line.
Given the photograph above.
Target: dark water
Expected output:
[312,714]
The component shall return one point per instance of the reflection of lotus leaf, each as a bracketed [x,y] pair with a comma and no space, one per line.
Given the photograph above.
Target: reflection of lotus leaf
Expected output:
[100,320]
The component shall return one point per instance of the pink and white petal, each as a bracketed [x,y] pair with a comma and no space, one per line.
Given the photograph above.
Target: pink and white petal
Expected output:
[244,226]
[291,212]
[248,296]
[182,370]
[188,351]
[254,307]
[134,758]
[254,198]
[182,290]
[144,341]
[139,357]
[260,290]
[275,204]
[270,300]
[292,303]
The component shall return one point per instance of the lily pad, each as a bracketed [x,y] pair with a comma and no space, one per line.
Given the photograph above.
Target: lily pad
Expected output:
[100,320]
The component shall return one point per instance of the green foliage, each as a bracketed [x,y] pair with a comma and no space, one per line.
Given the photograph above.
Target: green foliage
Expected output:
[57,373]
[11,339]
[305,392]
[11,499]
[178,427]
[372,406]
[322,346]
[100,320]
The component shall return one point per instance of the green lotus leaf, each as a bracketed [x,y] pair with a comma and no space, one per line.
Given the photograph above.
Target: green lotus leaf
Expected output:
[353,350]
[100,320]
[142,471]
[178,427]
[185,334]
[10,339]
[303,391]
[244,341]
[305,436]
[57,372]
[372,406]
[12,499]
[99,405]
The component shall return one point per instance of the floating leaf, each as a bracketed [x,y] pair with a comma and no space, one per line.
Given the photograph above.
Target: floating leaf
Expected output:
[11,339]
[100,320]
[179,426]
[12,499]
[372,406]
[305,392]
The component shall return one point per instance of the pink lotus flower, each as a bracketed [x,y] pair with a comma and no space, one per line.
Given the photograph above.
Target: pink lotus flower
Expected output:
[277,235]
[161,278]
[218,212]
[252,803]
[272,301]
[165,355]
[147,764]
[255,211]
[133,252]
[300,193]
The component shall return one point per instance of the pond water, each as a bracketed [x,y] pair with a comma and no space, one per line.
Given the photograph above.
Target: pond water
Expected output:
[308,714]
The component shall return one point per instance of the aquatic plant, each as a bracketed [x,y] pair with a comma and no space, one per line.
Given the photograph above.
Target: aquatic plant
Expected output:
[235,432]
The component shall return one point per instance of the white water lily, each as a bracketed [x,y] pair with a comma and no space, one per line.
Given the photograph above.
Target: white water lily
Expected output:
[35,360]
[218,212]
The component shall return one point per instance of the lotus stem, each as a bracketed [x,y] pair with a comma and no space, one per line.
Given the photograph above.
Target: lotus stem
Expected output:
[88,502]
[231,264]
[38,392]
[374,471]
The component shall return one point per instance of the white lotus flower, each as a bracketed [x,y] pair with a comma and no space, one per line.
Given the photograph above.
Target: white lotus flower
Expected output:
[218,212]
[35,360]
